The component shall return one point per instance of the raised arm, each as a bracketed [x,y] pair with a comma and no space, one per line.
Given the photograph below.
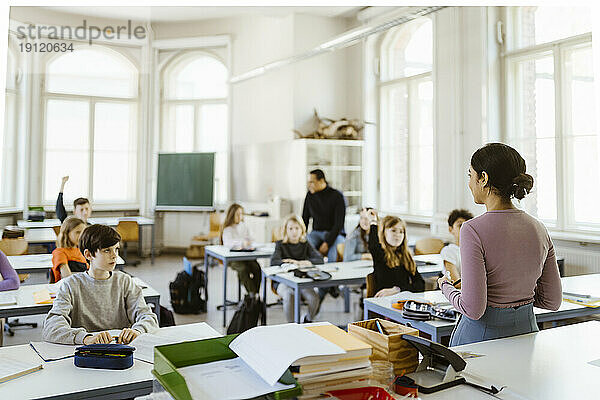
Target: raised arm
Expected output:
[548,290]
[61,212]
[472,300]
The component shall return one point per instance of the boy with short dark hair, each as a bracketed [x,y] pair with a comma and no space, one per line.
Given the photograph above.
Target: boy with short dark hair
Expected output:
[451,253]
[99,299]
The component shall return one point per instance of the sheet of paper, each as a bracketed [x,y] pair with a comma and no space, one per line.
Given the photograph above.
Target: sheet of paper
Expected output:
[226,380]
[270,350]
[144,344]
[8,298]
[10,368]
[276,269]
[433,297]
[595,363]
[53,351]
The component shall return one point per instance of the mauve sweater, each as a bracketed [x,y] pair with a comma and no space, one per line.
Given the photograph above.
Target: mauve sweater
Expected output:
[507,260]
[10,279]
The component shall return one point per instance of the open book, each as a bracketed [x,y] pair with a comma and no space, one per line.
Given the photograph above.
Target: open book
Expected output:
[11,369]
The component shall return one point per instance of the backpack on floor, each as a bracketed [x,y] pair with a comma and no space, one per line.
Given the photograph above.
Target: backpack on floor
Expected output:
[247,316]
[188,293]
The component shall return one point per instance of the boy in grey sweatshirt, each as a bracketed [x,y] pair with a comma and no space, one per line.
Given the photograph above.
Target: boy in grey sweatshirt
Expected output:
[98,299]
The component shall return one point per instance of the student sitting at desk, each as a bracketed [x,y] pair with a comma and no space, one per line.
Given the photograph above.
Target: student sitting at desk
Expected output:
[295,249]
[82,208]
[357,243]
[98,299]
[394,268]
[67,257]
[451,253]
[235,234]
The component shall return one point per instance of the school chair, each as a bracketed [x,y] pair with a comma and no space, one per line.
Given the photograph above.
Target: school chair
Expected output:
[214,229]
[370,285]
[56,230]
[276,234]
[16,247]
[428,246]
[130,232]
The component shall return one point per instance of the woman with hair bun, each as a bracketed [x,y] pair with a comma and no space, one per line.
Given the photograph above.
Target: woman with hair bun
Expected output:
[508,260]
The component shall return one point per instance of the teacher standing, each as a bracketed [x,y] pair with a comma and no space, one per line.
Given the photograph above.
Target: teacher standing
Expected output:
[508,260]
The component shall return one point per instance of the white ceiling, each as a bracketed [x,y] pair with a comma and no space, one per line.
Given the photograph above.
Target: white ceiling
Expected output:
[174,13]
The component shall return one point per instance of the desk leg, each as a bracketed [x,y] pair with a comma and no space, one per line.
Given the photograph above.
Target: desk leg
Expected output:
[152,244]
[263,320]
[346,299]
[225,292]
[297,304]
[206,275]
[365,312]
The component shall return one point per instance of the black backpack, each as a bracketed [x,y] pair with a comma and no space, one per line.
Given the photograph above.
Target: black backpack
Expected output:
[247,316]
[186,291]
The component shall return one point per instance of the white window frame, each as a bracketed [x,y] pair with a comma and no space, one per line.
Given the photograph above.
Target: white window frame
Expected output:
[45,96]
[9,181]
[382,84]
[565,218]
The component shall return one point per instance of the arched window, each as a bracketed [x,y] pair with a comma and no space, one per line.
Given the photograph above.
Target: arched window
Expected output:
[406,118]
[195,114]
[91,134]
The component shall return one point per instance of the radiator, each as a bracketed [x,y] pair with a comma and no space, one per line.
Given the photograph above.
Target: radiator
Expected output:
[579,261]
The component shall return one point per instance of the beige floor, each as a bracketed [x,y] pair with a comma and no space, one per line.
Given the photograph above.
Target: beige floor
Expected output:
[165,269]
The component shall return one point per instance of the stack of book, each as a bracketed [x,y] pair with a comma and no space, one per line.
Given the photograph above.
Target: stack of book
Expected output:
[319,374]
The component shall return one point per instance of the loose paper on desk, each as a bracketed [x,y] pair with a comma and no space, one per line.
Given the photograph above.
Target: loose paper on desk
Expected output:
[11,368]
[144,344]
[8,298]
[53,351]
[226,380]
[270,350]
[433,297]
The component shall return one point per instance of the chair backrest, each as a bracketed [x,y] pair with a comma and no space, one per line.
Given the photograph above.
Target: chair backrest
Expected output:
[340,251]
[128,230]
[215,222]
[56,229]
[14,247]
[429,246]
[371,285]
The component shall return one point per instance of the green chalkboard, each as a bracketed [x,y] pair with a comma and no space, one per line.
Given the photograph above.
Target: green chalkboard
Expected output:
[185,180]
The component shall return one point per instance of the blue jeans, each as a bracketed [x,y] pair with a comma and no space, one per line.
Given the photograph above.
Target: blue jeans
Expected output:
[316,239]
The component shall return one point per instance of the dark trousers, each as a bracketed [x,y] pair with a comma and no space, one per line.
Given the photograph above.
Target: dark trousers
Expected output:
[249,274]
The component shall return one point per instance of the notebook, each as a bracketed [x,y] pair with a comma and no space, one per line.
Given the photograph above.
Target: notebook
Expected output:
[11,369]
[8,298]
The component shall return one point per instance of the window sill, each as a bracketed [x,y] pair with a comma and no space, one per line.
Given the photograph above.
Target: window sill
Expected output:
[9,210]
[579,237]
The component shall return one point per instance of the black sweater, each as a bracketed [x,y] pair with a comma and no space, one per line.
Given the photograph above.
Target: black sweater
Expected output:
[299,251]
[386,277]
[328,211]
[61,213]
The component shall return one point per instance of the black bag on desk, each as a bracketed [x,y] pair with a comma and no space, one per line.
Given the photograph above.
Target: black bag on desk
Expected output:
[186,292]
[247,316]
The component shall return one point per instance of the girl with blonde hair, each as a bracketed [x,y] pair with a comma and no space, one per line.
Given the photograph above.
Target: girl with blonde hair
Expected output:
[394,268]
[295,249]
[67,257]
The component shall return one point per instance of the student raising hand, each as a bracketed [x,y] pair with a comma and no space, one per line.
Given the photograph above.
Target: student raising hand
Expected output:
[127,335]
[102,337]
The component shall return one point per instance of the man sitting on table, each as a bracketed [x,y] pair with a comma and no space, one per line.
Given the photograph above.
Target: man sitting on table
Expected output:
[82,208]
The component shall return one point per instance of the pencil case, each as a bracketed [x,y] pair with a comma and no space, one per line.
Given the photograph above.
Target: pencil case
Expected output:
[104,356]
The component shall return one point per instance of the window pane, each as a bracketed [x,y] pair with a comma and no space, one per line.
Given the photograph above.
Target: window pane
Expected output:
[535,25]
[408,50]
[421,147]
[532,131]
[213,127]
[582,137]
[66,147]
[7,135]
[394,148]
[92,72]
[200,77]
[115,152]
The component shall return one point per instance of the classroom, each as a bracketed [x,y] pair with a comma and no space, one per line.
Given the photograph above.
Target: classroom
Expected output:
[343,201]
